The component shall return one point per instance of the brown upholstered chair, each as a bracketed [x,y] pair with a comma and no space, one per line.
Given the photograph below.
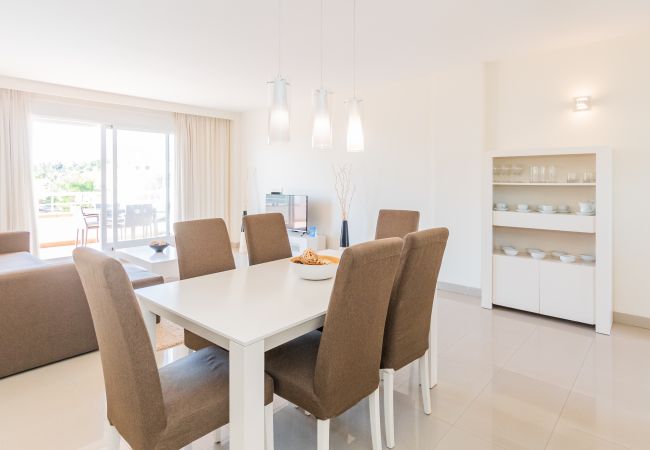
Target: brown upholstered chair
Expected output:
[406,338]
[203,247]
[396,223]
[150,408]
[266,238]
[327,373]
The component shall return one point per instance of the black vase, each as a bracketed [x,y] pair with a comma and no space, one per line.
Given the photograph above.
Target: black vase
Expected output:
[345,237]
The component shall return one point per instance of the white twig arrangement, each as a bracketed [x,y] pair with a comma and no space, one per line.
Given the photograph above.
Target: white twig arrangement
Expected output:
[344,188]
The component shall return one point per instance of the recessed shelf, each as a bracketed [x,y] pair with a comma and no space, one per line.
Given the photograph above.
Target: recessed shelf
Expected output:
[542,184]
[539,221]
[549,259]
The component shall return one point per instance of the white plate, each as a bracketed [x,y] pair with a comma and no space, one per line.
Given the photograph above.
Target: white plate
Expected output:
[547,212]
[524,210]
[497,209]
[580,213]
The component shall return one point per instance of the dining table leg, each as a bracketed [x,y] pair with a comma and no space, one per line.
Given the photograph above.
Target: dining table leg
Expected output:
[246,396]
[433,347]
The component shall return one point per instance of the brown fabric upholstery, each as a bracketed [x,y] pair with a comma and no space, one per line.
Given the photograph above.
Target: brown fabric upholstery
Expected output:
[44,317]
[203,247]
[14,241]
[266,238]
[150,410]
[396,223]
[327,373]
[406,337]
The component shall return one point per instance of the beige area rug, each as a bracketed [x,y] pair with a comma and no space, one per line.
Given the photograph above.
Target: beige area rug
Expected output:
[168,335]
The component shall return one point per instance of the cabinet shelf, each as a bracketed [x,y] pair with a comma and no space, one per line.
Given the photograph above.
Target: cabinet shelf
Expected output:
[505,183]
[539,221]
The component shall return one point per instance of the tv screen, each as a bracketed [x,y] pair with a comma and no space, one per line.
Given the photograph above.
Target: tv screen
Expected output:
[292,207]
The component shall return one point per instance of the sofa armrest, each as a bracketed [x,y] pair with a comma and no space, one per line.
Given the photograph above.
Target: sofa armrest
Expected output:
[14,241]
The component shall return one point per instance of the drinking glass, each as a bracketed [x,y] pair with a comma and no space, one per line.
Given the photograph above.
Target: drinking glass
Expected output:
[534,174]
[542,174]
[551,174]
[571,177]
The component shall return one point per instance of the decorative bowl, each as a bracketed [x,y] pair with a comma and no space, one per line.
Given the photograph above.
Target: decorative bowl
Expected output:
[510,251]
[588,258]
[158,246]
[538,255]
[567,258]
[316,272]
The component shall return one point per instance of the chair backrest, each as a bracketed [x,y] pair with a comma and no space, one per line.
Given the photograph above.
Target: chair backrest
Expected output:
[406,337]
[203,247]
[133,391]
[266,238]
[396,223]
[347,366]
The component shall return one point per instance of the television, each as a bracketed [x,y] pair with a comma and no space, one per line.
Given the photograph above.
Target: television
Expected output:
[292,207]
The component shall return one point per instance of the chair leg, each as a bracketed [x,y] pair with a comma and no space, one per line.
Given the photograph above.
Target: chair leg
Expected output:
[113,438]
[424,382]
[375,420]
[389,419]
[268,426]
[323,434]
[221,435]
[76,242]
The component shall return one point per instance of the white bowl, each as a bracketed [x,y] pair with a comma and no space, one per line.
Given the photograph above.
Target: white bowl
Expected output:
[538,255]
[588,258]
[567,258]
[558,253]
[316,272]
[510,251]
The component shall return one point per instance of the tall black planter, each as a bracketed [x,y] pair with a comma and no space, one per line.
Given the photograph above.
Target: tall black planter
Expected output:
[345,237]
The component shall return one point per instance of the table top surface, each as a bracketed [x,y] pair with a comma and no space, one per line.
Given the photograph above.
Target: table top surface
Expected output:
[145,253]
[245,305]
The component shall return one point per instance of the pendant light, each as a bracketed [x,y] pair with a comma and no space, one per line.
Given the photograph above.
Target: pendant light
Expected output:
[355,138]
[278,97]
[321,137]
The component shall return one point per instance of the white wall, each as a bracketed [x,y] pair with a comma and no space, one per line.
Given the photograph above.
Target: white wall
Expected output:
[529,106]
[395,171]
[458,142]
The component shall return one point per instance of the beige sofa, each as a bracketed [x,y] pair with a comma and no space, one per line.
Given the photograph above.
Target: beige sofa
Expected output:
[44,316]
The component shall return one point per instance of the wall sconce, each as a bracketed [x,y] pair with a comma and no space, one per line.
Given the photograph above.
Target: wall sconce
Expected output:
[582,103]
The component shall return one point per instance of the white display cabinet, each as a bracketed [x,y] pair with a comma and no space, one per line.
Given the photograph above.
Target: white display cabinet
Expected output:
[580,291]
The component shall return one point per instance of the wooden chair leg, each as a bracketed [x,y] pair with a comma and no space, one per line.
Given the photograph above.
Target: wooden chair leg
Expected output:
[323,434]
[268,426]
[424,382]
[389,415]
[375,420]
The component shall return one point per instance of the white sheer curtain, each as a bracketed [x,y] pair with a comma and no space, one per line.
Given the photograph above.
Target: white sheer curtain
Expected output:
[17,206]
[202,169]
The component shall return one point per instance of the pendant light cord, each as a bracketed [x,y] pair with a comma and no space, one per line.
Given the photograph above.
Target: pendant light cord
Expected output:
[279,37]
[322,44]
[354,49]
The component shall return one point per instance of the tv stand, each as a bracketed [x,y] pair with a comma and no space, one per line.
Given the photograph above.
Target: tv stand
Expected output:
[301,241]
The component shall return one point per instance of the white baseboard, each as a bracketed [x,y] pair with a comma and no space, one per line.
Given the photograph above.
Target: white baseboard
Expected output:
[459,289]
[631,319]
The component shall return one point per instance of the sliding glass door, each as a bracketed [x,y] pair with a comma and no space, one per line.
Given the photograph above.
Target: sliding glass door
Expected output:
[137,197]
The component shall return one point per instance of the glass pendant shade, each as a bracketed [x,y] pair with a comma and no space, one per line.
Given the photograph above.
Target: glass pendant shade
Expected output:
[355,138]
[278,111]
[321,137]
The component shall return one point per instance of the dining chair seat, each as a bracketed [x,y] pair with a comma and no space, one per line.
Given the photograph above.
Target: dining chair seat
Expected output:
[195,394]
[292,367]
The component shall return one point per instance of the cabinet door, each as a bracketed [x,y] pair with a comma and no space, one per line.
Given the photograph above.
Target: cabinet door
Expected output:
[515,282]
[567,291]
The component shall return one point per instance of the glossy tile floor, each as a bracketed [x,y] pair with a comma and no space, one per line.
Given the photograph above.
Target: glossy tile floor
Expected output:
[507,380]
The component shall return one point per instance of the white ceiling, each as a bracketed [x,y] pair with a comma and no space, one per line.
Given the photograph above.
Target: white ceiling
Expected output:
[220,53]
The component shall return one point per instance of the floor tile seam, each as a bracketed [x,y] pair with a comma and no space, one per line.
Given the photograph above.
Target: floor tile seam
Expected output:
[566,400]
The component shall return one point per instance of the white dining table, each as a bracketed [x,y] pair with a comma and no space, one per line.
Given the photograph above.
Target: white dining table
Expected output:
[248,311]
